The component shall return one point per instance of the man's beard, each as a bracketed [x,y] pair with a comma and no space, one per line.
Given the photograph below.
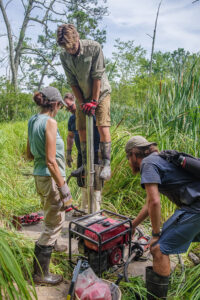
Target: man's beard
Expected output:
[135,168]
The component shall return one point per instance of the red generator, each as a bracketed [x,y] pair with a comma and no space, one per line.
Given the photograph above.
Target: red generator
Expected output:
[102,239]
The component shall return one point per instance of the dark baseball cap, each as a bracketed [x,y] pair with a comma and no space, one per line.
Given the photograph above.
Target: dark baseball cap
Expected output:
[53,94]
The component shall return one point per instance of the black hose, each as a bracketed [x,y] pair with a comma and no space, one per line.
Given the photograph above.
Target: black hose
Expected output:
[141,233]
[129,260]
[79,210]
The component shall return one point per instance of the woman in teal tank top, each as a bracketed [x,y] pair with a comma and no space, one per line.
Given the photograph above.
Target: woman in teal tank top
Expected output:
[46,147]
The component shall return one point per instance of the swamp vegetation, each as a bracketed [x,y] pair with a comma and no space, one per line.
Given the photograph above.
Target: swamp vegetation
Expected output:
[168,114]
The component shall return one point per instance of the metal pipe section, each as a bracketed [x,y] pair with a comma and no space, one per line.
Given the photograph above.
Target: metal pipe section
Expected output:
[90,162]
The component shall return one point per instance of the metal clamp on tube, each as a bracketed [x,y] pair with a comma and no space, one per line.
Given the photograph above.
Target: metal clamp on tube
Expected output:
[90,162]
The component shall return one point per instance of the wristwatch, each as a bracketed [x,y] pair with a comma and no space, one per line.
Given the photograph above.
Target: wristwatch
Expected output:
[156,234]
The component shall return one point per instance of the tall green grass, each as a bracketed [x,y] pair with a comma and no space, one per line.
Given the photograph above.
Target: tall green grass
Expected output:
[170,116]
[17,189]
[14,268]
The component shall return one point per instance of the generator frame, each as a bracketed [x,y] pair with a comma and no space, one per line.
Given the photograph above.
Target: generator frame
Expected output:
[74,224]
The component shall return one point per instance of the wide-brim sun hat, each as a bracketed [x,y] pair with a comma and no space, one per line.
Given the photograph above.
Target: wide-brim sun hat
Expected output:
[137,142]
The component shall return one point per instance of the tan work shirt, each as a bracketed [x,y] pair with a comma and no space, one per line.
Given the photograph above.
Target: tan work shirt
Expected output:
[86,66]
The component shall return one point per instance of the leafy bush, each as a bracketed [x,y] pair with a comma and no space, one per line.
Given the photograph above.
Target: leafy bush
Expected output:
[15,106]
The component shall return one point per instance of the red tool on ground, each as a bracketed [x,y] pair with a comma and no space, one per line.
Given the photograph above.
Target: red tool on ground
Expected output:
[28,219]
[71,208]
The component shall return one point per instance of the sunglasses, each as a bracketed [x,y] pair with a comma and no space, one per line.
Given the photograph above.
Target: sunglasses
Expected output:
[69,107]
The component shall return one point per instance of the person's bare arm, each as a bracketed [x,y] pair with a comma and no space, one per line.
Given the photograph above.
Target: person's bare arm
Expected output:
[70,140]
[154,207]
[143,214]
[78,94]
[96,89]
[50,149]
[29,155]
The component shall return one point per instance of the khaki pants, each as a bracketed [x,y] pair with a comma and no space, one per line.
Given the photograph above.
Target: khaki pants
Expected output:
[53,217]
[102,114]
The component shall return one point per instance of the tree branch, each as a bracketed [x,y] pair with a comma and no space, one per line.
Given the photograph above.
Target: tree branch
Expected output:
[149,35]
[3,58]
[36,6]
[154,37]
[22,1]
[36,20]
[8,4]
[36,51]
[3,34]
[11,45]
[50,8]
[23,73]
[22,33]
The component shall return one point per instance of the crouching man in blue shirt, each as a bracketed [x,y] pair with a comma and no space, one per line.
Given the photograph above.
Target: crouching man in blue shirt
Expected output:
[183,227]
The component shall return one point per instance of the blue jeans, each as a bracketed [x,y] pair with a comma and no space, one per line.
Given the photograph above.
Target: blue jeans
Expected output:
[179,231]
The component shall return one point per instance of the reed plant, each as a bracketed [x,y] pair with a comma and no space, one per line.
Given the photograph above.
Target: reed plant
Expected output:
[171,107]
[17,189]
[185,285]
[15,268]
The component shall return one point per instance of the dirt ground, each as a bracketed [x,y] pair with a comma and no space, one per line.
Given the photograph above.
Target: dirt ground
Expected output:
[51,293]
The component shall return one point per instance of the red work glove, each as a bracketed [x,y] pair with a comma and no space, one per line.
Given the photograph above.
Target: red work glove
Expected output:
[89,108]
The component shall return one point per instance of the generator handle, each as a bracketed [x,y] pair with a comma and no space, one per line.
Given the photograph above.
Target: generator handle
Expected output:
[74,279]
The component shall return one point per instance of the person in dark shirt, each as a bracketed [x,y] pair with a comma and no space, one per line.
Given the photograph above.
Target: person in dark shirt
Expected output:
[74,136]
[183,227]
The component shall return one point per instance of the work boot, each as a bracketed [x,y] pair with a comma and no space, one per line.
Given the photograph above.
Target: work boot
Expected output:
[105,153]
[97,201]
[41,274]
[157,285]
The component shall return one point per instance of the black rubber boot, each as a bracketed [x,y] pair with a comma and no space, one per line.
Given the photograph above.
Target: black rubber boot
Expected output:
[105,154]
[41,273]
[157,285]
